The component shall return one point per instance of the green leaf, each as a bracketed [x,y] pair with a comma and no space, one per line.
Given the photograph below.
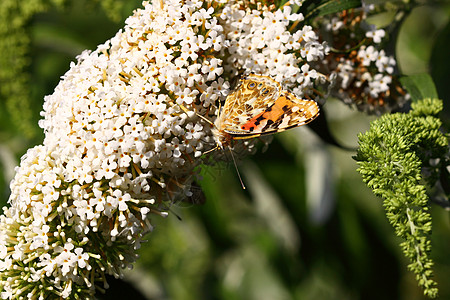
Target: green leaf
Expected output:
[311,9]
[439,70]
[419,86]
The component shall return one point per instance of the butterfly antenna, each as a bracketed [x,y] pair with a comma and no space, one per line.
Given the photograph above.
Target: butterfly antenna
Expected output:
[237,170]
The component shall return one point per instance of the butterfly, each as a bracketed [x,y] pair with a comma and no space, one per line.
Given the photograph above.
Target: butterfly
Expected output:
[259,106]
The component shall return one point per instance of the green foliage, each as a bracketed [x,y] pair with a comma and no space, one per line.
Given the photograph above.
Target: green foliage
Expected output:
[14,43]
[15,80]
[419,86]
[312,9]
[397,156]
[439,53]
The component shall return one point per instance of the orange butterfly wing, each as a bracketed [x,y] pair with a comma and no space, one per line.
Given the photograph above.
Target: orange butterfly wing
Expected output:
[259,106]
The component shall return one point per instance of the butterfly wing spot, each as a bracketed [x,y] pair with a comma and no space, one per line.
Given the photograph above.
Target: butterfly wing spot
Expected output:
[251,85]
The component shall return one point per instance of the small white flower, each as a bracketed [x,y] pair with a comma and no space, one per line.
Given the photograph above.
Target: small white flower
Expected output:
[367,55]
[41,238]
[66,259]
[385,63]
[376,35]
[82,258]
[193,132]
[308,75]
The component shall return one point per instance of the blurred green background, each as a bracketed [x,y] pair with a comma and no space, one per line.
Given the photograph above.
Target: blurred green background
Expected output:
[306,227]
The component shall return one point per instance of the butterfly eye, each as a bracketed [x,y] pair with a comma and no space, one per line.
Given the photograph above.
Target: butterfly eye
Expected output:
[251,85]
[264,91]
[260,85]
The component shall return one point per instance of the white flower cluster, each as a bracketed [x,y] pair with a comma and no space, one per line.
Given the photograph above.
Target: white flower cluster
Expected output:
[361,75]
[47,242]
[124,132]
[378,83]
[263,42]
[358,72]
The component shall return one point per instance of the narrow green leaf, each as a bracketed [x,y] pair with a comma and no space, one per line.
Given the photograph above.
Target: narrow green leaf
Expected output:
[312,9]
[419,86]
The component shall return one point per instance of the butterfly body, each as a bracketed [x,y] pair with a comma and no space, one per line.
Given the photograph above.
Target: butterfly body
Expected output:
[260,106]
